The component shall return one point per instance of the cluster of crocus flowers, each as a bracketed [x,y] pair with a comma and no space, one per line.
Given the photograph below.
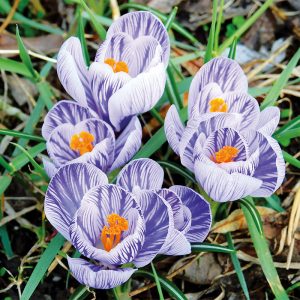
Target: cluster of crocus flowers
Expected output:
[127,78]
[227,141]
[129,222]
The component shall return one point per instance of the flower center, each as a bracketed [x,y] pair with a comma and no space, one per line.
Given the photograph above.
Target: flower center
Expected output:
[218,105]
[111,234]
[117,66]
[82,142]
[226,154]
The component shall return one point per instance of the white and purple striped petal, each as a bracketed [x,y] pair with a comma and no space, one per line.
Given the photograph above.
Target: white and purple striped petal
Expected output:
[268,120]
[66,190]
[97,276]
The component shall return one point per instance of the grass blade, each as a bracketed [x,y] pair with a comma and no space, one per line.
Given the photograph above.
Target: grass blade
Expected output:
[80,35]
[14,67]
[171,18]
[274,93]
[205,247]
[21,135]
[166,284]
[42,266]
[264,255]
[160,293]
[291,159]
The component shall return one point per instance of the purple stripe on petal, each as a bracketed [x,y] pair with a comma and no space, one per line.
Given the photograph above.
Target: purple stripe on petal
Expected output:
[104,83]
[63,112]
[128,143]
[268,120]
[201,214]
[138,96]
[225,72]
[173,128]
[157,221]
[98,277]
[108,199]
[137,24]
[144,173]
[66,190]
[49,167]
[221,186]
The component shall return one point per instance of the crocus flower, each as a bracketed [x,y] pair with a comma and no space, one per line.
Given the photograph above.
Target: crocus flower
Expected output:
[128,75]
[106,224]
[190,212]
[220,86]
[229,163]
[73,135]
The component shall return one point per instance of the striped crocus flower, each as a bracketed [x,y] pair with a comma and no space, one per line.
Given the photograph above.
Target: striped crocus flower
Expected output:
[229,163]
[130,222]
[128,75]
[189,211]
[221,86]
[73,135]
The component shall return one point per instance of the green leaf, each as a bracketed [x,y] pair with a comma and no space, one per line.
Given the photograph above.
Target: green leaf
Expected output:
[166,284]
[264,255]
[21,135]
[42,266]
[24,55]
[274,93]
[6,242]
[254,214]
[237,267]
[172,90]
[205,247]
[291,159]
[171,18]
[80,293]
[274,202]
[45,93]
[232,51]
[176,168]
[249,22]
[218,25]
[160,293]
[14,67]
[211,38]
[80,34]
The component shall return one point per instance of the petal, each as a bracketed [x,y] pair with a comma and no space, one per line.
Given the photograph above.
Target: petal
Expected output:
[104,83]
[201,213]
[226,72]
[98,277]
[221,186]
[65,192]
[271,166]
[128,143]
[72,70]
[144,173]
[63,112]
[137,96]
[49,167]
[173,128]
[200,104]
[226,137]
[97,204]
[141,23]
[268,120]
[157,222]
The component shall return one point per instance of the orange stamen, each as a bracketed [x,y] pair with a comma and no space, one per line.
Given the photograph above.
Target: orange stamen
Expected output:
[111,235]
[226,154]
[117,66]
[82,142]
[218,105]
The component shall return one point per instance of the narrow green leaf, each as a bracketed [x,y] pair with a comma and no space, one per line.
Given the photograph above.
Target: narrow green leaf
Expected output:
[5,181]
[205,247]
[24,55]
[296,285]
[211,38]
[21,135]
[5,164]
[160,293]
[291,159]
[80,34]
[237,267]
[46,93]
[245,26]
[264,256]
[176,168]
[177,27]
[171,18]
[80,293]
[166,284]
[232,51]
[42,266]
[274,93]
[254,214]
[218,25]
[14,67]
[274,202]
[6,242]
[155,114]
[172,90]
